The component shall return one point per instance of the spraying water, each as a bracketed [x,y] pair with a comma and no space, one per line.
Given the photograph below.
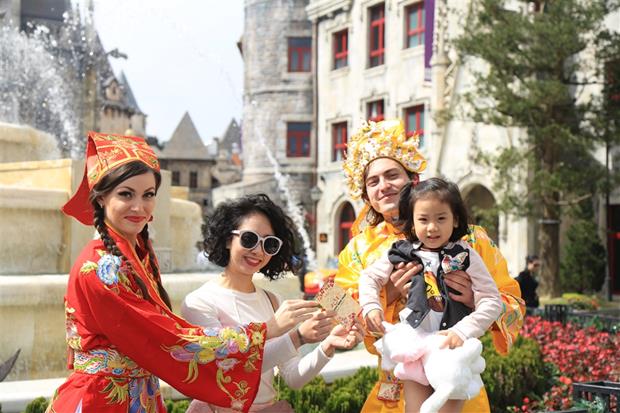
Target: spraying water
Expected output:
[32,89]
[293,206]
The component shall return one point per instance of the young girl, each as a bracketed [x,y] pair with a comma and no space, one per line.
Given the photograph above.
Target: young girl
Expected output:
[246,236]
[121,333]
[434,219]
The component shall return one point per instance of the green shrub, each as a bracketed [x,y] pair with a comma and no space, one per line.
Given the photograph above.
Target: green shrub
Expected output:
[38,405]
[521,373]
[508,379]
[582,268]
[346,395]
[178,406]
[595,406]
[577,301]
[581,301]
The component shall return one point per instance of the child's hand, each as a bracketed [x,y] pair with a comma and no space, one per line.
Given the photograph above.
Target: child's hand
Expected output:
[452,339]
[373,321]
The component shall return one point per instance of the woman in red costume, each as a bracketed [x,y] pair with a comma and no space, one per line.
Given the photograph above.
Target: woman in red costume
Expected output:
[121,332]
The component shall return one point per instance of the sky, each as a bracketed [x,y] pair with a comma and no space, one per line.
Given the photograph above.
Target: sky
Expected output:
[182,56]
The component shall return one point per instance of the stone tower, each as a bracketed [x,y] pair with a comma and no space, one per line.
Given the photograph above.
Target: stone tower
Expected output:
[277,96]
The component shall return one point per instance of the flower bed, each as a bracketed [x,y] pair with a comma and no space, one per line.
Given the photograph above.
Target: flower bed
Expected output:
[579,354]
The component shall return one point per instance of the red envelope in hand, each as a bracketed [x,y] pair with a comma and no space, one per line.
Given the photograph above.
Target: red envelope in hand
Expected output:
[333,297]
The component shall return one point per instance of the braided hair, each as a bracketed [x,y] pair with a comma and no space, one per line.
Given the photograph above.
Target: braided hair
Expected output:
[104,187]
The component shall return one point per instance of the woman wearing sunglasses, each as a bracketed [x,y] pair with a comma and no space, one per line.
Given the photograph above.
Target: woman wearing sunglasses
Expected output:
[246,236]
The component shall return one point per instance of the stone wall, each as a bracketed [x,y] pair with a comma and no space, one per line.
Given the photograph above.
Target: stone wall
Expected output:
[185,226]
[32,230]
[273,95]
[23,143]
[32,317]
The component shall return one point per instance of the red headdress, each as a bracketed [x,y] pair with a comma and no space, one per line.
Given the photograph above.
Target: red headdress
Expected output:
[105,152]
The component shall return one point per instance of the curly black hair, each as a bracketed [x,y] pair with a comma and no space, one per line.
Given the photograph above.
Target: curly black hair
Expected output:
[228,216]
[443,190]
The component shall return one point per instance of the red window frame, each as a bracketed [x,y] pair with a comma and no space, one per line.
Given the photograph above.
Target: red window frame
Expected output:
[341,49]
[375,110]
[415,36]
[298,139]
[376,37]
[339,139]
[345,223]
[299,54]
[414,121]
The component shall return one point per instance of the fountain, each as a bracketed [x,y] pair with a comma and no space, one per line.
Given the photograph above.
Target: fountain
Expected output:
[33,90]
[293,208]
[40,147]
[41,88]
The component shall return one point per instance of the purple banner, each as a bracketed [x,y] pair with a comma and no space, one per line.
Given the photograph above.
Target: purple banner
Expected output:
[429,25]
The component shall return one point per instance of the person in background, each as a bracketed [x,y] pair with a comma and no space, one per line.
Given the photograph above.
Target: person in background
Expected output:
[380,161]
[528,283]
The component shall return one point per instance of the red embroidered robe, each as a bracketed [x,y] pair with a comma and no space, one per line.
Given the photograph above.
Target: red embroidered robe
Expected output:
[120,343]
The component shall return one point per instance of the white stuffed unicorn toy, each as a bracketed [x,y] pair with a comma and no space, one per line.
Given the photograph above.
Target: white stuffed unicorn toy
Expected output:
[416,355]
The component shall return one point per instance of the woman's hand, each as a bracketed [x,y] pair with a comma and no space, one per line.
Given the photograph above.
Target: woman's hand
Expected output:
[460,281]
[342,338]
[317,327]
[452,339]
[400,280]
[374,320]
[289,314]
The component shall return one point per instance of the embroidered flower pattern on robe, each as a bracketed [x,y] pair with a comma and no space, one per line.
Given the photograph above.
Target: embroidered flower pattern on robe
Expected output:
[219,345]
[112,271]
[73,338]
[107,269]
[143,394]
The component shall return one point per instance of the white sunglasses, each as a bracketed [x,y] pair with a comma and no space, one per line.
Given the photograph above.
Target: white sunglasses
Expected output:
[250,239]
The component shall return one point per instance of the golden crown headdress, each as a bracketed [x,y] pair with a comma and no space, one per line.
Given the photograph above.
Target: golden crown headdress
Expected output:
[385,139]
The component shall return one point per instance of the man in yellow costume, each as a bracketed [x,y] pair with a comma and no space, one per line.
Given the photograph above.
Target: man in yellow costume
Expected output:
[381,160]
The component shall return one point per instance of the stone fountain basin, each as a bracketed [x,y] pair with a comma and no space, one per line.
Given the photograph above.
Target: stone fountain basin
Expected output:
[32,317]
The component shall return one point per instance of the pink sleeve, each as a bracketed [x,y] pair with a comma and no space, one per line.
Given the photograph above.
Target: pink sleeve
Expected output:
[486,297]
[372,280]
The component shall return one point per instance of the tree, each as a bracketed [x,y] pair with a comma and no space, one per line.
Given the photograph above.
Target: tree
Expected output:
[543,59]
[583,263]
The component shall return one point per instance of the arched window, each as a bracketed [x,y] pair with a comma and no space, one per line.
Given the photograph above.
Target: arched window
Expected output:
[480,204]
[345,221]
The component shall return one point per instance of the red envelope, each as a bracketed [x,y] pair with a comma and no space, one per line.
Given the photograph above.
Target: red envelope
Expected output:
[333,297]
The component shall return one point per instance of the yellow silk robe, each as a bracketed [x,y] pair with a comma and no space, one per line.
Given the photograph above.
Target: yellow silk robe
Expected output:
[373,242]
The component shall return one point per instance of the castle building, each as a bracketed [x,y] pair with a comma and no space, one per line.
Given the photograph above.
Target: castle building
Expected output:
[278,128]
[376,59]
[381,59]
[187,158]
[119,109]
